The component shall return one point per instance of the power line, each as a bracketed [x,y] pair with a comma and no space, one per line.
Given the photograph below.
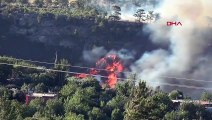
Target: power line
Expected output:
[167,84]
[184,86]
[53,70]
[170,77]
[48,63]
[188,79]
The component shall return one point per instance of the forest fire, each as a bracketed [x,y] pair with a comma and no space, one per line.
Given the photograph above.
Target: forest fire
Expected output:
[110,65]
[82,75]
[113,66]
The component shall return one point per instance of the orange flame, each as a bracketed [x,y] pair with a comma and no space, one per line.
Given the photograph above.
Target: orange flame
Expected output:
[93,71]
[83,75]
[112,80]
[112,65]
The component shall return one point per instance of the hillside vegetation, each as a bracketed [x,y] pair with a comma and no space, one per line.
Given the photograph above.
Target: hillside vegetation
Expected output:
[83,99]
[68,30]
[37,29]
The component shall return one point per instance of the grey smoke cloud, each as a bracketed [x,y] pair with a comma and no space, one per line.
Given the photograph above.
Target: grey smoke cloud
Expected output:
[128,7]
[91,56]
[125,55]
[187,44]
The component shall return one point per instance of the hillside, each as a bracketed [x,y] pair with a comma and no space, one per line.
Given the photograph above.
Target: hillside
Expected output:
[105,60]
[46,33]
[23,94]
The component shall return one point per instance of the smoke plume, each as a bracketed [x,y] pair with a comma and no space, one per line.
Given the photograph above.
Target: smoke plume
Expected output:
[189,45]
[128,7]
[91,56]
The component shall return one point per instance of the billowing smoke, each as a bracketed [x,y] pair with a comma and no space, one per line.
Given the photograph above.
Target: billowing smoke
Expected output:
[128,7]
[125,55]
[189,45]
[91,56]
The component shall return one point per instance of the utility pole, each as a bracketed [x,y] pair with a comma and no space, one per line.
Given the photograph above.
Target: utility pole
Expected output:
[55,61]
[132,79]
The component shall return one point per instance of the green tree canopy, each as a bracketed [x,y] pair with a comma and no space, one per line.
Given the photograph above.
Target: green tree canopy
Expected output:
[176,94]
[116,13]
[206,96]
[146,105]
[140,15]
[97,114]
[5,72]
[54,107]
[10,110]
[74,116]
[117,114]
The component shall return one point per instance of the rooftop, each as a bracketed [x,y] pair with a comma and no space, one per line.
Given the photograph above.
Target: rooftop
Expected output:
[194,101]
[42,95]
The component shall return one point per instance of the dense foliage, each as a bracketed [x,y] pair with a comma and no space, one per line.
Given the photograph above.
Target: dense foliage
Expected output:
[77,8]
[81,99]
[72,8]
